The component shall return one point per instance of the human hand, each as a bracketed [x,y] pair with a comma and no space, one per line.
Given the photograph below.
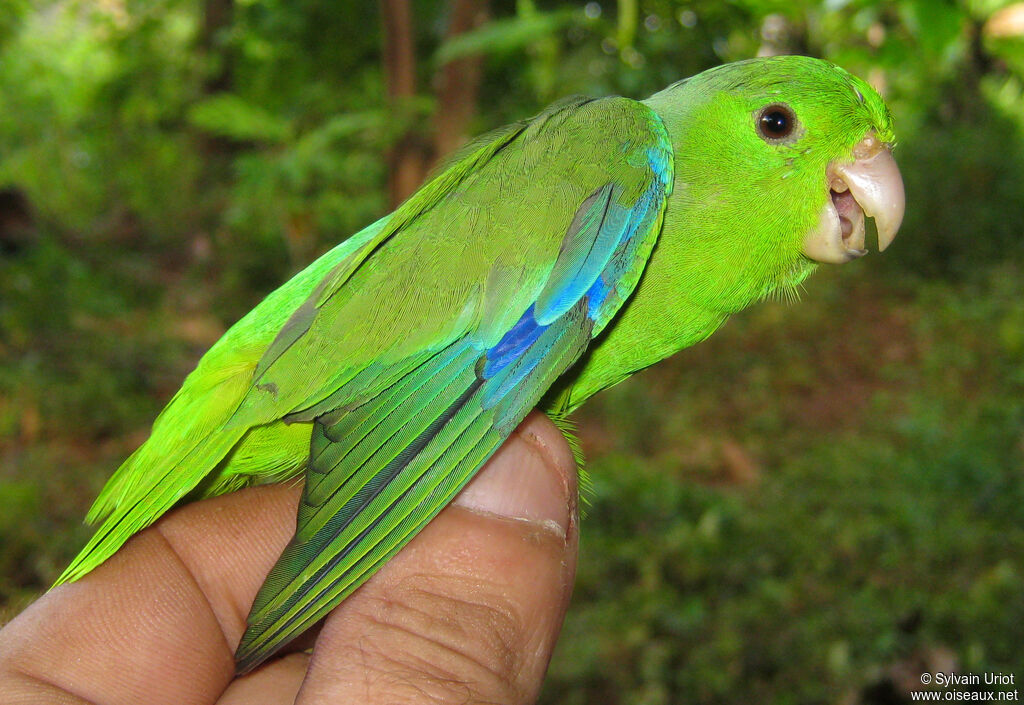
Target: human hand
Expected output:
[469,611]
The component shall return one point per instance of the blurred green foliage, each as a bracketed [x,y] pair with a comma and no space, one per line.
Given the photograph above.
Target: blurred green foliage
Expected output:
[817,499]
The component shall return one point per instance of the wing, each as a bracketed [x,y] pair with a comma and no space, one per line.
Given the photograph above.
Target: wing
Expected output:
[204,441]
[545,242]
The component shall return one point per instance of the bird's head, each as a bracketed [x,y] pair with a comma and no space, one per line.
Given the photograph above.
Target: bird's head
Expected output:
[777,162]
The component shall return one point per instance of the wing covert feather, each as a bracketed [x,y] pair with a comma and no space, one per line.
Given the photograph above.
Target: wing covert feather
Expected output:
[475,259]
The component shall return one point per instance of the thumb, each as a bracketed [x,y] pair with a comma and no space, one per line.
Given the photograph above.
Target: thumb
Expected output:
[470,610]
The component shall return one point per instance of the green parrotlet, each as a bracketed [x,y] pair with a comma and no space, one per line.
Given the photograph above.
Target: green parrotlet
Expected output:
[550,259]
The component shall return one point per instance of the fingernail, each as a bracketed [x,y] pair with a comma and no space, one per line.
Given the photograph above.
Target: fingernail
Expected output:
[531,478]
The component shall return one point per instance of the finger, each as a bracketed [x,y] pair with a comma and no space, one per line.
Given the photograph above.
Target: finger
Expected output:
[469,611]
[276,683]
[159,621]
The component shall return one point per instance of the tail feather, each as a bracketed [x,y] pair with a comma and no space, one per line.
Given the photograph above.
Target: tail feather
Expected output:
[149,496]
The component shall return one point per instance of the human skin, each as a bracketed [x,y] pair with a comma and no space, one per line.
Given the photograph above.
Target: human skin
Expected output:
[469,611]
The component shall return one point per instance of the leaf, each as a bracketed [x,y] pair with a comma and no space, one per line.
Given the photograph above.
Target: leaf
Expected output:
[231,116]
[938,27]
[502,36]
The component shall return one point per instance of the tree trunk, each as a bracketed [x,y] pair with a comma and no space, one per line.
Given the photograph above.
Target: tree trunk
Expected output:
[459,81]
[217,16]
[457,85]
[409,159]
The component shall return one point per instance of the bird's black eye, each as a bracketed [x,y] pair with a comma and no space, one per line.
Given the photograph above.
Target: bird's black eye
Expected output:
[775,122]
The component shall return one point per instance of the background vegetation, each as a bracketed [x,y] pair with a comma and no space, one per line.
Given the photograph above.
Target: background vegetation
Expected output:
[815,506]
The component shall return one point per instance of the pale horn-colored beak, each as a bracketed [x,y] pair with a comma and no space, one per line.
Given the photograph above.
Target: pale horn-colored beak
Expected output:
[869,185]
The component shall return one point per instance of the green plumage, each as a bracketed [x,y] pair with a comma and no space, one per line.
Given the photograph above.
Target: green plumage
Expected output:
[391,368]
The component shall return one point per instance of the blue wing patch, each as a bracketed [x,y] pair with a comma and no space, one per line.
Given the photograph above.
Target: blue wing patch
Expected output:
[592,237]
[600,260]
[519,337]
